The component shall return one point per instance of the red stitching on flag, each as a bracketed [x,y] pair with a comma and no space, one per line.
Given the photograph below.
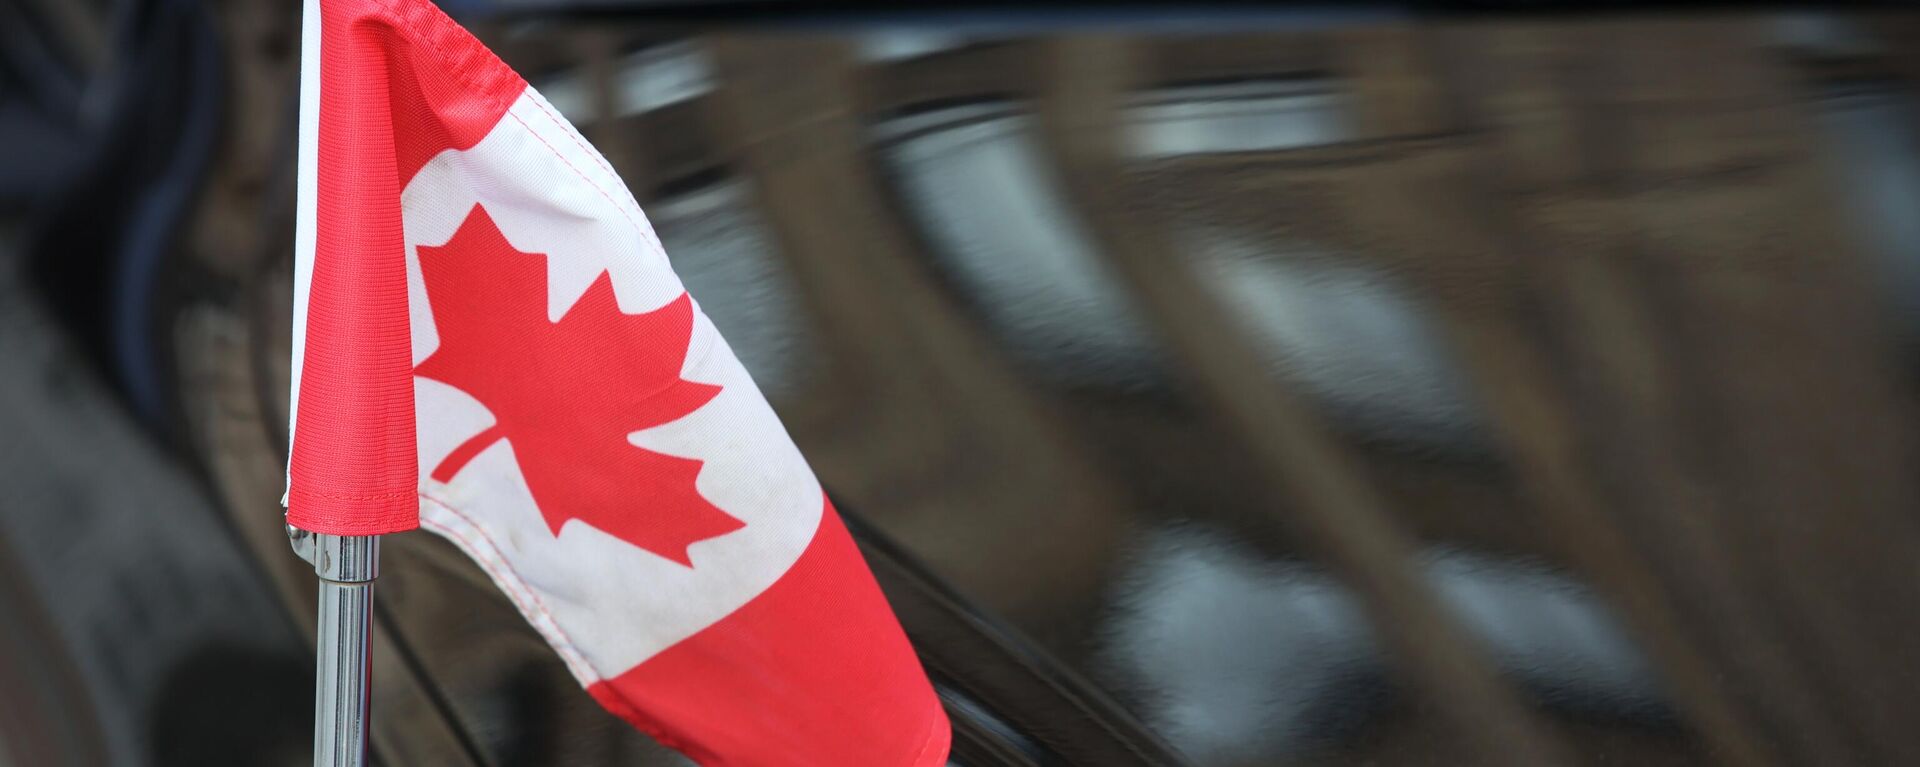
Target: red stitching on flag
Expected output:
[644,232]
[926,741]
[510,575]
[351,497]
[600,160]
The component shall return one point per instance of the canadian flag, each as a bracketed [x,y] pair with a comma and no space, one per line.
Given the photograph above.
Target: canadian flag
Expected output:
[490,343]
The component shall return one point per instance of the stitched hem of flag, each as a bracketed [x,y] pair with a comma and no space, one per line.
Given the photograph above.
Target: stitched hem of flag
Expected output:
[442,518]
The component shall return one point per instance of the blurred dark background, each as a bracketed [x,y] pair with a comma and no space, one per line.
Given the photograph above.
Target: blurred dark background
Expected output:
[1219,386]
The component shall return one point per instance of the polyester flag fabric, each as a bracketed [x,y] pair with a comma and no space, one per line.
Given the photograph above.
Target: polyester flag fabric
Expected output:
[489,342]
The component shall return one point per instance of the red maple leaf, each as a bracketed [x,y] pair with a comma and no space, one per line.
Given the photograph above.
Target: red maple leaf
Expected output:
[566,394]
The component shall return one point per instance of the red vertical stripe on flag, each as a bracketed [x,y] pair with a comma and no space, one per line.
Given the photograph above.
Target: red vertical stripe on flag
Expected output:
[797,677]
[399,83]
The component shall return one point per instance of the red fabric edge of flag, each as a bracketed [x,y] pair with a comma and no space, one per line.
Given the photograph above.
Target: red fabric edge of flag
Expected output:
[824,629]
[399,83]
[830,653]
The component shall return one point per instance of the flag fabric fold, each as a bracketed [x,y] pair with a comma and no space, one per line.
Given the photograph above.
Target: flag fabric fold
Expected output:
[490,343]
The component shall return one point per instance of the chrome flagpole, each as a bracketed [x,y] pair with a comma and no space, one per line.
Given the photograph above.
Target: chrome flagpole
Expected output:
[347,566]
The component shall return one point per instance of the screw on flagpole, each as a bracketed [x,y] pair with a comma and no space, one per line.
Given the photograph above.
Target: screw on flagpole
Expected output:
[347,566]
